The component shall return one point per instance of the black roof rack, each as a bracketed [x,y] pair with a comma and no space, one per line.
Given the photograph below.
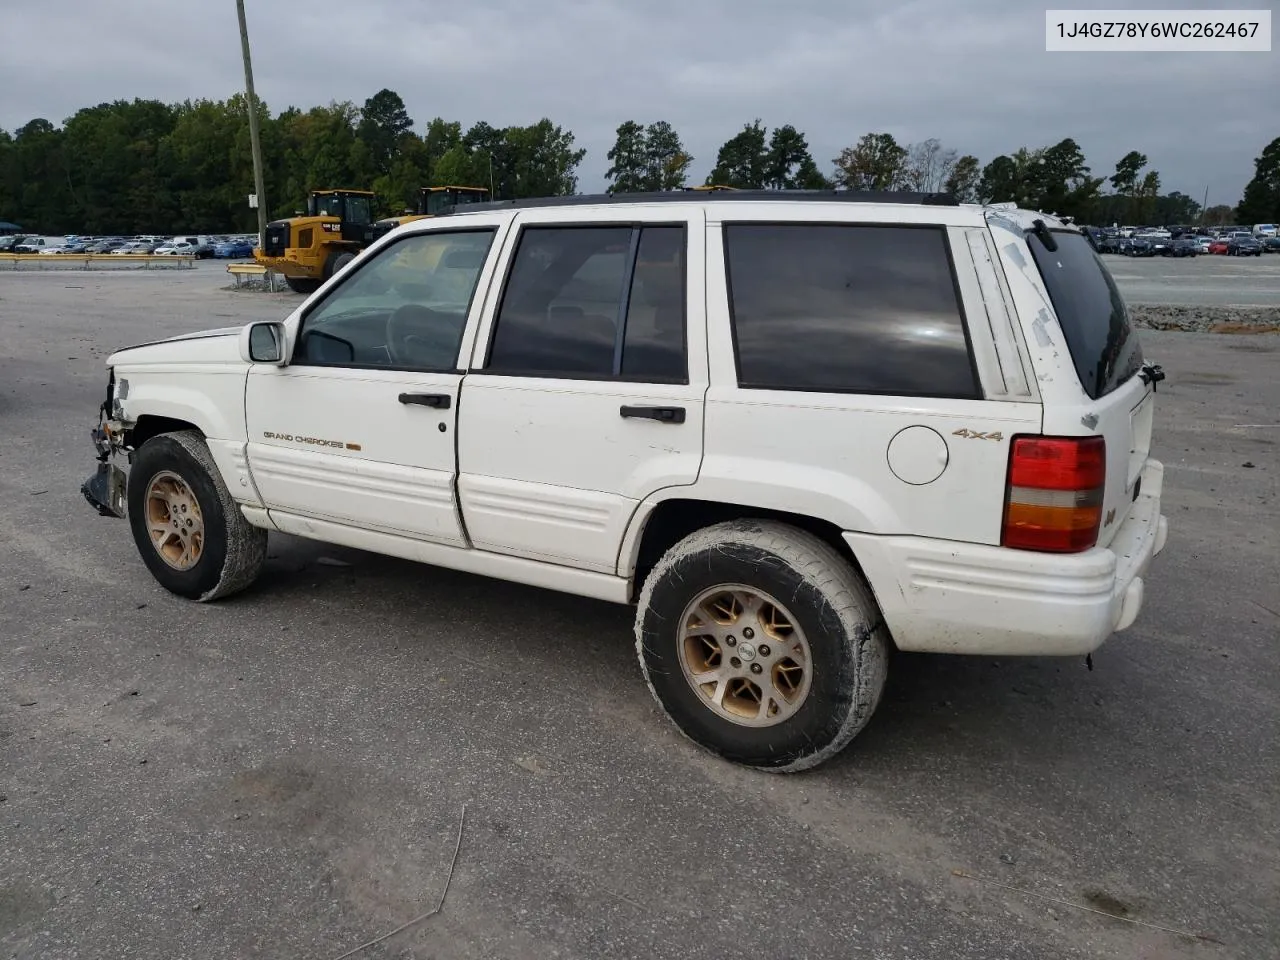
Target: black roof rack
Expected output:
[714,196]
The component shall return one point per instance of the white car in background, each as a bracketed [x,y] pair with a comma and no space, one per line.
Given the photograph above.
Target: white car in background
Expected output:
[179,248]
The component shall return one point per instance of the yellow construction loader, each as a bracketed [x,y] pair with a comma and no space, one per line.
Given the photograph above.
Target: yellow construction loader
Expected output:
[308,250]
[431,202]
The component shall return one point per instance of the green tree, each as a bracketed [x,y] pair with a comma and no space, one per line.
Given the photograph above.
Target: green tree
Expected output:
[383,122]
[1125,180]
[666,161]
[1176,208]
[963,181]
[743,160]
[544,160]
[1059,181]
[788,164]
[875,162]
[1261,200]
[441,136]
[999,181]
[629,160]
[1219,215]
[1145,198]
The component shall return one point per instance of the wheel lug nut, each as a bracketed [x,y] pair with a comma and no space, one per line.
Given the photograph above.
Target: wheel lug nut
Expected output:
[764,649]
[731,641]
[748,633]
[756,668]
[735,662]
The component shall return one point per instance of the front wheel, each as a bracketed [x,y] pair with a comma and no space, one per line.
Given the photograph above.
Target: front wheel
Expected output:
[188,529]
[302,284]
[762,644]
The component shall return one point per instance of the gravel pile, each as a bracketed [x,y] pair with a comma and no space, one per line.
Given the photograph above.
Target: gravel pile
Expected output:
[1207,319]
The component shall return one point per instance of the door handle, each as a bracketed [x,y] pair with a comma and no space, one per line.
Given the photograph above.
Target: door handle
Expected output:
[661,414]
[441,401]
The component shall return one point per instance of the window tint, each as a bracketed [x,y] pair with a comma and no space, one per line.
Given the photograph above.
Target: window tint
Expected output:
[405,308]
[1103,344]
[653,344]
[842,308]
[569,286]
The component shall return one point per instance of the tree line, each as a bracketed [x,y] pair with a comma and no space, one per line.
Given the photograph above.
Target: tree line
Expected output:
[146,166]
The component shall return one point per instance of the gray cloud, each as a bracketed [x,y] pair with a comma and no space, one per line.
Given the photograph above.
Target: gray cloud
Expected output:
[971,72]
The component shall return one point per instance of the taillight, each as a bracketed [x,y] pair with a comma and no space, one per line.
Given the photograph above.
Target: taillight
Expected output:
[1054,497]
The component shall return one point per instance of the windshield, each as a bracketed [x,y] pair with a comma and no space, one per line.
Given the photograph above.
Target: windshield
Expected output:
[329,206]
[1100,335]
[439,200]
[359,210]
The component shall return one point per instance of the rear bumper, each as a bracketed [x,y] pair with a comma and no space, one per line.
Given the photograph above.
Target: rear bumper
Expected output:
[939,596]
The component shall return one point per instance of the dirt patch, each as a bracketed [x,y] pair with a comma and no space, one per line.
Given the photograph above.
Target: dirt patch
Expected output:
[1232,320]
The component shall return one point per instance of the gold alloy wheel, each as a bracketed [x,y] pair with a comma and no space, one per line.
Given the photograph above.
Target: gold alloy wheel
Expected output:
[174,522]
[744,655]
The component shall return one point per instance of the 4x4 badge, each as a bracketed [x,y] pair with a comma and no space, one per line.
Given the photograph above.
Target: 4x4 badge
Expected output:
[975,435]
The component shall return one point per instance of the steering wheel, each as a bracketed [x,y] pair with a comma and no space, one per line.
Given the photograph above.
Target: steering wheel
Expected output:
[418,336]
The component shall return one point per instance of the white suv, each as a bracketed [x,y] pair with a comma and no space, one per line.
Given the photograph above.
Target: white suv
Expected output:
[796,430]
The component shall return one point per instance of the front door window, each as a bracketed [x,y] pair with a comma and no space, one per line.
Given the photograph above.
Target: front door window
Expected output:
[404,309]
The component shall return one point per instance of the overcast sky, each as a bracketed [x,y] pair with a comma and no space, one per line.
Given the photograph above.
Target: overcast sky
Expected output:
[973,73]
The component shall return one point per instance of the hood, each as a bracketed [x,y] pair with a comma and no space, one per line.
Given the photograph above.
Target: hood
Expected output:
[220,345]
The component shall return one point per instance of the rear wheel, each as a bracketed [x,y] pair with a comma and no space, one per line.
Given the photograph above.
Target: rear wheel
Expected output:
[762,644]
[188,529]
[302,284]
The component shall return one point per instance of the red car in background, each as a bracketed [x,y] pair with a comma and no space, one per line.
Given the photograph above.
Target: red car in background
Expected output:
[1218,246]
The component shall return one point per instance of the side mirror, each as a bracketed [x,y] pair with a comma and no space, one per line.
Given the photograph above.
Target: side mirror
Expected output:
[263,343]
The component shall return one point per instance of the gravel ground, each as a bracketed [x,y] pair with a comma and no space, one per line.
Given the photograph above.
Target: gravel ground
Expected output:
[282,774]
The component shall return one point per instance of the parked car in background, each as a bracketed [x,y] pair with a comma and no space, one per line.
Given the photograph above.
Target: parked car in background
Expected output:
[1264,230]
[1203,243]
[1271,244]
[233,249]
[1182,247]
[1219,245]
[1139,247]
[105,246]
[135,247]
[8,243]
[38,244]
[1243,246]
[179,248]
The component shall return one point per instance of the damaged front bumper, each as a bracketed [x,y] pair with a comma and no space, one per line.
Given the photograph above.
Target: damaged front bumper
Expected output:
[105,488]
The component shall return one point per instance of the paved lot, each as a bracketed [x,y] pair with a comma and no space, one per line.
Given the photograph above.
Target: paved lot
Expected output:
[1210,281]
[281,774]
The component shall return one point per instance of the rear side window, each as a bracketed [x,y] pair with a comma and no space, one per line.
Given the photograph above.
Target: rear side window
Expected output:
[1100,336]
[601,302]
[847,309]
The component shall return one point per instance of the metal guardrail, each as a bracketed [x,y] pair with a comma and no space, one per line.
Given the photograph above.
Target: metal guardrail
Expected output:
[92,261]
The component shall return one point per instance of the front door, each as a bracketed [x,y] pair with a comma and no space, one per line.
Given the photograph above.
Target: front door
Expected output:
[358,428]
[586,388]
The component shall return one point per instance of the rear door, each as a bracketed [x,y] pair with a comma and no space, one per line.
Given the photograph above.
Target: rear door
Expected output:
[1089,362]
[586,389]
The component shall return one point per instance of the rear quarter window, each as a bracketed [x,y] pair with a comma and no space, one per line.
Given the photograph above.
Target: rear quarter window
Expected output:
[1100,335]
[847,308]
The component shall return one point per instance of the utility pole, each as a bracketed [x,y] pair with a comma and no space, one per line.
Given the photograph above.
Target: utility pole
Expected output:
[255,143]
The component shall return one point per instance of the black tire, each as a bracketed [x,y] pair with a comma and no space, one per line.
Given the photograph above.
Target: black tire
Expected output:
[233,550]
[336,261]
[848,642]
[302,284]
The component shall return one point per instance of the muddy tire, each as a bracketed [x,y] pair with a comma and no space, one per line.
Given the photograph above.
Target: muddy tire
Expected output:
[188,529]
[762,644]
[302,284]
